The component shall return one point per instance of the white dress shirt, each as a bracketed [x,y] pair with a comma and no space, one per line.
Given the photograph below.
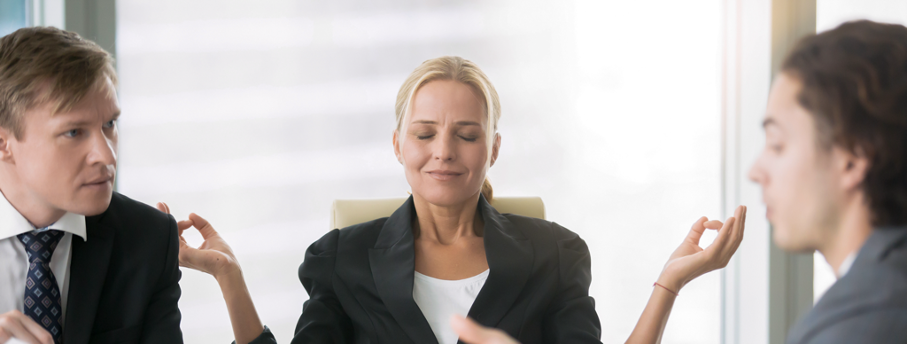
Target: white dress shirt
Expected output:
[439,299]
[14,258]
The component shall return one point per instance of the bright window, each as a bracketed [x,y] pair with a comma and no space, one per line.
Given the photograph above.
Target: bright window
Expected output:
[257,115]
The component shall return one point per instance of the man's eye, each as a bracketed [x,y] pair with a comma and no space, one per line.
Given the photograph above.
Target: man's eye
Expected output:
[72,133]
[110,124]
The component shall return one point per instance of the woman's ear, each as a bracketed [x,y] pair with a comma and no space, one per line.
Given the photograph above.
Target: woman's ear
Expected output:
[395,140]
[496,145]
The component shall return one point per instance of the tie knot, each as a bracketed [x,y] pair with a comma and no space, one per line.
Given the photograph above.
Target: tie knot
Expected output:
[40,244]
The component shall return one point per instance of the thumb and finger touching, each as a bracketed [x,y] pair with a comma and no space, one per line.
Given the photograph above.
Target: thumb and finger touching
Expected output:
[202,226]
[696,231]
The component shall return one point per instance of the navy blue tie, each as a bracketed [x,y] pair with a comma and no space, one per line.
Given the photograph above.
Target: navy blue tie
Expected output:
[42,295]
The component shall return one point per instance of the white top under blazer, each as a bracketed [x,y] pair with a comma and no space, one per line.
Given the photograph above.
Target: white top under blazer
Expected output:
[438,299]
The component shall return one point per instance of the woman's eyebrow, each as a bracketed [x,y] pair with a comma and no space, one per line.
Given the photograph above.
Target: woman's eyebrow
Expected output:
[460,123]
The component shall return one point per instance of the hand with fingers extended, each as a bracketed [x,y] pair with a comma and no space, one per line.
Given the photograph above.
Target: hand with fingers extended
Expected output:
[214,256]
[15,325]
[472,333]
[689,261]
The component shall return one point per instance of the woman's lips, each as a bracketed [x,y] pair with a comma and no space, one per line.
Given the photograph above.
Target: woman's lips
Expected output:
[444,175]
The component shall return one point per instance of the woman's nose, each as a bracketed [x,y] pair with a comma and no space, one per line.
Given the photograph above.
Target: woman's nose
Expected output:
[445,148]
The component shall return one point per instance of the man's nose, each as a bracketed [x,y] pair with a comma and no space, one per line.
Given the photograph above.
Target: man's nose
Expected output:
[756,173]
[103,150]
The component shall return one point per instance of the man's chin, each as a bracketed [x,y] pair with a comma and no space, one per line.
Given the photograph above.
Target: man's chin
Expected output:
[789,243]
[90,207]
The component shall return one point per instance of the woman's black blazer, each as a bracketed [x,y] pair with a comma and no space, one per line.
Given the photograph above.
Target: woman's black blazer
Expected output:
[360,283]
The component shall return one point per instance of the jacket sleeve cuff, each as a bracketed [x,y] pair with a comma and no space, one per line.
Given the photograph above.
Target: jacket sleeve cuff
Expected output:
[265,338]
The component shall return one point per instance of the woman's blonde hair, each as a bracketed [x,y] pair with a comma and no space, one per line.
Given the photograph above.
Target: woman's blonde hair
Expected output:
[460,70]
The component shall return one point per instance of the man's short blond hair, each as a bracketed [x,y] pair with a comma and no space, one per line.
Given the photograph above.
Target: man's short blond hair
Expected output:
[40,65]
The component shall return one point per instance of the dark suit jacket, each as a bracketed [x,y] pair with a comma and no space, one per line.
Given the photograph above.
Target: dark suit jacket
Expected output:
[360,283]
[867,305]
[123,285]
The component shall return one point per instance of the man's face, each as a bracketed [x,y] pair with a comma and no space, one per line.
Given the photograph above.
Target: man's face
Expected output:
[67,161]
[798,176]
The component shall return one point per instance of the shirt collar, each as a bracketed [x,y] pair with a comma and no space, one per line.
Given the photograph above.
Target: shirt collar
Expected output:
[846,264]
[12,223]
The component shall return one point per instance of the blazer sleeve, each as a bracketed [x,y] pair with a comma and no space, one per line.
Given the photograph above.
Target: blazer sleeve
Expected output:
[323,319]
[571,317]
[162,316]
[265,338]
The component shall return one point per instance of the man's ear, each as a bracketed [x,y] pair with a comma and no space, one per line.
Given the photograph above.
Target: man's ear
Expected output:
[395,140]
[6,153]
[496,146]
[852,166]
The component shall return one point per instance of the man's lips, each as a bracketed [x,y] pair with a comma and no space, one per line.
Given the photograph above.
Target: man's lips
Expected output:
[99,181]
[444,175]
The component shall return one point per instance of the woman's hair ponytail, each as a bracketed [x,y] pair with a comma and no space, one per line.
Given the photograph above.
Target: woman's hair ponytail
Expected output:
[487,189]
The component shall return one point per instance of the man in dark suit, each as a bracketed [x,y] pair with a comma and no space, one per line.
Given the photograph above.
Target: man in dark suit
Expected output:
[79,263]
[833,176]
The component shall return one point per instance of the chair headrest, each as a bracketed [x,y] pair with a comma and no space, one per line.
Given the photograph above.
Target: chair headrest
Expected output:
[348,212]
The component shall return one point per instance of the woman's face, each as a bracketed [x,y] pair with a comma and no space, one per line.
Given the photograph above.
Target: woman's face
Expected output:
[444,146]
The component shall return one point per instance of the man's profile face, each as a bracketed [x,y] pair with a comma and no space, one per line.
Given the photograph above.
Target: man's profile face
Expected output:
[67,161]
[795,172]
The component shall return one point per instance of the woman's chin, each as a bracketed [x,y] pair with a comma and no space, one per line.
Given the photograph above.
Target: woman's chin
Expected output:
[446,197]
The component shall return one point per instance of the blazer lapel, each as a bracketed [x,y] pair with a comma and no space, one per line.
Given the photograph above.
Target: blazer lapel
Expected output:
[87,271]
[510,257]
[392,262]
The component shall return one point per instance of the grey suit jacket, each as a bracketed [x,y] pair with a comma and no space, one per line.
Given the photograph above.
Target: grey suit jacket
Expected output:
[867,305]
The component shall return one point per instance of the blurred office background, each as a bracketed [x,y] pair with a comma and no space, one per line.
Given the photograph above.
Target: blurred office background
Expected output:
[257,115]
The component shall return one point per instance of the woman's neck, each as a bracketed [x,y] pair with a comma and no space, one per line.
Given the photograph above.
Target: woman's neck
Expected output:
[446,224]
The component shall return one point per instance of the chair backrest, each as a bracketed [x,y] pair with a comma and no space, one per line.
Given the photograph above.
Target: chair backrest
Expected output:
[348,212]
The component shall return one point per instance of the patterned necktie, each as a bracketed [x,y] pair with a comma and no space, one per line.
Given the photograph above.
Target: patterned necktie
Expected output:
[42,295]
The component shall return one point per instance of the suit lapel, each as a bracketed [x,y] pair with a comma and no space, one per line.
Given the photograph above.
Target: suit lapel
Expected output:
[510,257]
[88,269]
[392,262]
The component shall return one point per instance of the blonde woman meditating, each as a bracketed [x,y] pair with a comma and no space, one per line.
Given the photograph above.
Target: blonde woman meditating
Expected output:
[446,253]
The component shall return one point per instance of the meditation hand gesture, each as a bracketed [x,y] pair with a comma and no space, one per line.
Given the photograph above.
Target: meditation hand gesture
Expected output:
[689,261]
[214,256]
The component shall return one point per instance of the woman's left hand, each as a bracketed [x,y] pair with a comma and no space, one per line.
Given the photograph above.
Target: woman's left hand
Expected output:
[690,261]
[472,333]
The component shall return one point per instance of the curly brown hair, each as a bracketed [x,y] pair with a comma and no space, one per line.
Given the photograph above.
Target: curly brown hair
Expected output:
[46,64]
[854,79]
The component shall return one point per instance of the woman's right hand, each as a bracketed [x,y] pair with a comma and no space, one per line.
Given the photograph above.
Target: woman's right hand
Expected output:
[214,256]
